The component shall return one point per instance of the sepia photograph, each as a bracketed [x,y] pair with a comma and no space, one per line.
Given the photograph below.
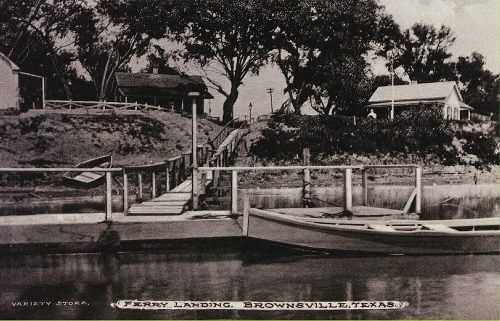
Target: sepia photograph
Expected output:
[249,159]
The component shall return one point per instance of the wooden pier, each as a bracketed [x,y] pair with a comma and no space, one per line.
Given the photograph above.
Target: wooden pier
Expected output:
[180,198]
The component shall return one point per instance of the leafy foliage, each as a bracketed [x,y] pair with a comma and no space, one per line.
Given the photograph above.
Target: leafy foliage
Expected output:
[320,47]
[110,34]
[233,36]
[423,52]
[420,132]
[478,85]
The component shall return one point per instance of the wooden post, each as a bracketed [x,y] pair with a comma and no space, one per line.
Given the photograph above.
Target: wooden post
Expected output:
[364,185]
[153,184]
[174,174]
[139,186]
[203,182]
[246,210]
[167,178]
[125,192]
[206,151]
[194,155]
[215,176]
[108,198]
[234,191]
[418,187]
[306,186]
[348,189]
[182,168]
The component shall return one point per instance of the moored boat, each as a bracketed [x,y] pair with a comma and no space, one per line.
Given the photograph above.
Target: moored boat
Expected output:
[88,179]
[462,236]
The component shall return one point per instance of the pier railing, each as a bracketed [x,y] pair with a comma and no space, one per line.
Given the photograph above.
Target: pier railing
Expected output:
[416,195]
[172,171]
[108,171]
[231,125]
[175,170]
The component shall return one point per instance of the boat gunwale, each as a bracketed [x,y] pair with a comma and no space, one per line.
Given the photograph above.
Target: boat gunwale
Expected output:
[106,160]
[349,226]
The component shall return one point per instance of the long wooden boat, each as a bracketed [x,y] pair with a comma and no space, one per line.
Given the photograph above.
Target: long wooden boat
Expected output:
[462,236]
[88,179]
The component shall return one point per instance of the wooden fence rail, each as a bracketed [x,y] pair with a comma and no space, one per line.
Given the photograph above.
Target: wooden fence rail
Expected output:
[172,171]
[108,171]
[87,105]
[416,195]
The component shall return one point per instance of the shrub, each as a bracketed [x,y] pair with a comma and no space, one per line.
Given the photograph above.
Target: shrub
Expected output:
[420,132]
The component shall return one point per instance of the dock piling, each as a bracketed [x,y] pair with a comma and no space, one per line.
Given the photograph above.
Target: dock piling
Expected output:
[348,189]
[306,189]
[246,209]
[139,186]
[167,178]
[125,192]
[364,185]
[203,182]
[234,191]
[153,184]
[418,187]
[108,197]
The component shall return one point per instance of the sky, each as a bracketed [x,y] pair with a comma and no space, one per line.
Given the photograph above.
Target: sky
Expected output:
[476,24]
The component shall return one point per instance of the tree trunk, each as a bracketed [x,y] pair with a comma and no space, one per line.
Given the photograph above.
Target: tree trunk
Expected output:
[229,103]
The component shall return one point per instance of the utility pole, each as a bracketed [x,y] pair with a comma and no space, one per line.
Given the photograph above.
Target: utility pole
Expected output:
[270,92]
[392,84]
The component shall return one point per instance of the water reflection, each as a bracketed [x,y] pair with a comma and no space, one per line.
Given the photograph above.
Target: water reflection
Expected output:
[435,286]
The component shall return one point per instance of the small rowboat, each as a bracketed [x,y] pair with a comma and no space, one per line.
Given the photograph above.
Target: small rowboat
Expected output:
[462,236]
[88,179]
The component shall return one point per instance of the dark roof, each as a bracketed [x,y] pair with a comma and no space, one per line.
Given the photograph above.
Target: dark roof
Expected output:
[160,84]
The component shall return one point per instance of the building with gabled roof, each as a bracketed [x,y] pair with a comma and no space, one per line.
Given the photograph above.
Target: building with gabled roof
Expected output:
[169,91]
[414,95]
[9,83]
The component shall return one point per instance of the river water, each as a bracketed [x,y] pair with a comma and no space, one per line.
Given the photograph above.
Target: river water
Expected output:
[436,287]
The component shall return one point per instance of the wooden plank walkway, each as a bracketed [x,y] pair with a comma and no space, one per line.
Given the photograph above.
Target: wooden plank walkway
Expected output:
[177,200]
[174,202]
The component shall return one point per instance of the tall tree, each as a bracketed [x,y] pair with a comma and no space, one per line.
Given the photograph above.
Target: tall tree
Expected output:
[423,52]
[110,33]
[476,83]
[232,37]
[34,34]
[159,58]
[321,47]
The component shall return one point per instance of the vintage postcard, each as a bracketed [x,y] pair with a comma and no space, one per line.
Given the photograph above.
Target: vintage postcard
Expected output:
[250,159]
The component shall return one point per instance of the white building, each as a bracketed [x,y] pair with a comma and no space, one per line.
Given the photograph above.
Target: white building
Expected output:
[9,83]
[445,94]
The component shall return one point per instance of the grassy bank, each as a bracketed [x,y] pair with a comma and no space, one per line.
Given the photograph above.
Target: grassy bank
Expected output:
[37,139]
[44,139]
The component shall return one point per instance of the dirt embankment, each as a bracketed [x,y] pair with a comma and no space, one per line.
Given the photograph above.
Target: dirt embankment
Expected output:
[39,139]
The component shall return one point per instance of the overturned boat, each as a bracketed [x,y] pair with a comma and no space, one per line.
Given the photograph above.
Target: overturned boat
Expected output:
[88,179]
